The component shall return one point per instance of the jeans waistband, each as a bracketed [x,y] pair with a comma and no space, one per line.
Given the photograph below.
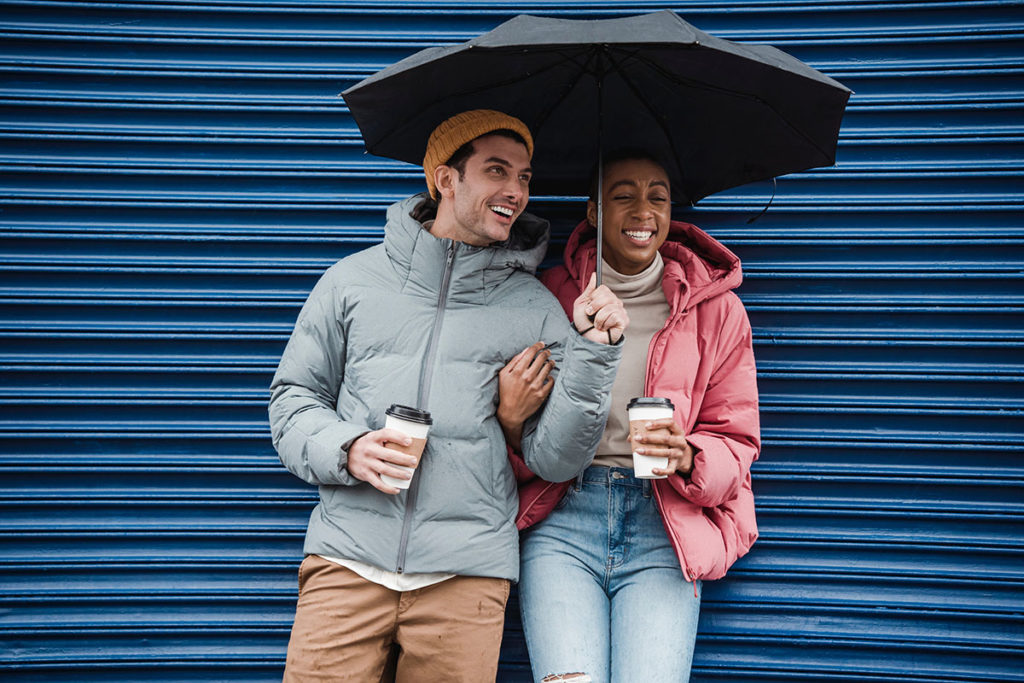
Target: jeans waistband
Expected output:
[612,476]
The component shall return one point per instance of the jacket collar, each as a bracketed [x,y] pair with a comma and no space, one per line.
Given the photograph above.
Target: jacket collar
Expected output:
[419,257]
[697,266]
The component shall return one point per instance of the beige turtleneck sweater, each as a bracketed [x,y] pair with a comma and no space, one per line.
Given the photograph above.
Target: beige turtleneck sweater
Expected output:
[648,310]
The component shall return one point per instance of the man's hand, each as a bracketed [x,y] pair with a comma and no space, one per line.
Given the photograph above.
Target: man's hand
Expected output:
[369,457]
[523,384]
[598,314]
[665,439]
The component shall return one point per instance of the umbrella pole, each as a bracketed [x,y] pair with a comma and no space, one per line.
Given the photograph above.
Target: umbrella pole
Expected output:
[600,182]
[600,216]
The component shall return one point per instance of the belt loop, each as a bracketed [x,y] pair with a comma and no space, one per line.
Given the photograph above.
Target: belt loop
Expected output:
[579,481]
[647,487]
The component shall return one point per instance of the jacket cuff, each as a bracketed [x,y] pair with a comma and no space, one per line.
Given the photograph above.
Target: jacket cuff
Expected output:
[714,478]
[327,453]
[591,367]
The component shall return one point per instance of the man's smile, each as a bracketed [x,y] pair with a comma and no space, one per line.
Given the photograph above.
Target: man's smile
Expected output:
[502,210]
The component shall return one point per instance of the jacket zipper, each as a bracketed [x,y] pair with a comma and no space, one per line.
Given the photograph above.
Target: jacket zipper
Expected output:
[423,394]
[688,572]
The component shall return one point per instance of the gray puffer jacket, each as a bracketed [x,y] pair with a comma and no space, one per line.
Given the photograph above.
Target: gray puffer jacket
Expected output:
[429,322]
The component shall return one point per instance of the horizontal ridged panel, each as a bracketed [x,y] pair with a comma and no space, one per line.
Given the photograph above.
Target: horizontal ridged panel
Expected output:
[175,175]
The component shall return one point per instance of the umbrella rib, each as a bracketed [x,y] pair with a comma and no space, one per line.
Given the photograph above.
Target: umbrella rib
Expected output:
[657,117]
[585,67]
[735,93]
[493,85]
[566,57]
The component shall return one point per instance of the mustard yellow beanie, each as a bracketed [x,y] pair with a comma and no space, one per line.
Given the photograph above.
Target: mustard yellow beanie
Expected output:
[460,129]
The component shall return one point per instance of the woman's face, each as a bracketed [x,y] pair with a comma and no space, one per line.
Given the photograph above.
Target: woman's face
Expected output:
[637,212]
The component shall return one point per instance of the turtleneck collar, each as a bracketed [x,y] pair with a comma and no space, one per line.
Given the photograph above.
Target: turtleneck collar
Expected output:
[631,286]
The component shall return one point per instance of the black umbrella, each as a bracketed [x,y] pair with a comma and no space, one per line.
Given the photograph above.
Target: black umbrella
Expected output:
[719,113]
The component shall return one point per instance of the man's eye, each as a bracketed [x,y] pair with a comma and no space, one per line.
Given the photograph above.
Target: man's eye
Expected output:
[525,178]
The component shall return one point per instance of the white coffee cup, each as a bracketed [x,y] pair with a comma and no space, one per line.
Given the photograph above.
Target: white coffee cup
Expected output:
[413,423]
[641,411]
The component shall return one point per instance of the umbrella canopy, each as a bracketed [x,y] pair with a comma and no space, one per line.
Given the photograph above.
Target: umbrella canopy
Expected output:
[718,113]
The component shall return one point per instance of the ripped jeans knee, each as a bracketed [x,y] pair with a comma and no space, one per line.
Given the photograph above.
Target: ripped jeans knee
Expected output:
[573,677]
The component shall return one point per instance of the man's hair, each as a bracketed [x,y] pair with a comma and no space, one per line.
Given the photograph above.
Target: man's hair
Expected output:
[623,154]
[459,158]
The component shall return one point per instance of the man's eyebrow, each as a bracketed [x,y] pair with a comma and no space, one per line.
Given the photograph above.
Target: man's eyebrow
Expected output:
[505,162]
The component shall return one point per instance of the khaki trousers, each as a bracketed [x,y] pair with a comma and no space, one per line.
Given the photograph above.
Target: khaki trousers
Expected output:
[345,627]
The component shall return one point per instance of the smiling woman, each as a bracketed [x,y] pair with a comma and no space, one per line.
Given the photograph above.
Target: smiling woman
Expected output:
[637,212]
[612,562]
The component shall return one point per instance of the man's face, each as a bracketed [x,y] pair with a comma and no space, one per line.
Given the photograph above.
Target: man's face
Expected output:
[637,213]
[480,207]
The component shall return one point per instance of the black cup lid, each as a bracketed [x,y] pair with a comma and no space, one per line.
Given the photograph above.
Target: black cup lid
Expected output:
[650,402]
[410,414]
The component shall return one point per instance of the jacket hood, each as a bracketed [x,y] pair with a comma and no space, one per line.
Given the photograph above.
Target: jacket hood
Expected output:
[699,266]
[404,235]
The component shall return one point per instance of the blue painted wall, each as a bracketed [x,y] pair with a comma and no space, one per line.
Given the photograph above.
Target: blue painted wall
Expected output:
[174,176]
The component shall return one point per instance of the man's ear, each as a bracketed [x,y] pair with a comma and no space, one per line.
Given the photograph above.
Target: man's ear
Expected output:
[444,181]
[592,212]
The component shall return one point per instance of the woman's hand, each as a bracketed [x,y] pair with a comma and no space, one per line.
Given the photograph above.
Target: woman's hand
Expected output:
[523,384]
[665,439]
[598,314]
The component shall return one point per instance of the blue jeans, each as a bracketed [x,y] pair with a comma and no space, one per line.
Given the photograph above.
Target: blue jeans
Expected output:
[601,589]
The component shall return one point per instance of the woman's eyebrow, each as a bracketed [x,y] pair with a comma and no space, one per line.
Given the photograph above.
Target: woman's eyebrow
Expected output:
[631,183]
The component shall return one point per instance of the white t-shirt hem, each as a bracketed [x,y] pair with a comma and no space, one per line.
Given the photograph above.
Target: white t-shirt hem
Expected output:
[392,580]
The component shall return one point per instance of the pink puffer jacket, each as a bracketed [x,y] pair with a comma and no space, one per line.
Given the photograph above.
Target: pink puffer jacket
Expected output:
[703,361]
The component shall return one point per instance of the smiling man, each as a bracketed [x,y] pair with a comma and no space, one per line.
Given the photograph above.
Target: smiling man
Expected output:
[428,319]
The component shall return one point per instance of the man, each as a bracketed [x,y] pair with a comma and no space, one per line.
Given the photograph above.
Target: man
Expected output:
[428,319]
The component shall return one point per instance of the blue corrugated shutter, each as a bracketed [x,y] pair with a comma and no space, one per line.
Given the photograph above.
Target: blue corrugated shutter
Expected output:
[176,174]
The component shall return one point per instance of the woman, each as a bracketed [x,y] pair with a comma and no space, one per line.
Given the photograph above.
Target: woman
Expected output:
[611,564]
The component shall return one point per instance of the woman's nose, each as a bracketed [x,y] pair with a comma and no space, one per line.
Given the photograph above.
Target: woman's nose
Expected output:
[643,209]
